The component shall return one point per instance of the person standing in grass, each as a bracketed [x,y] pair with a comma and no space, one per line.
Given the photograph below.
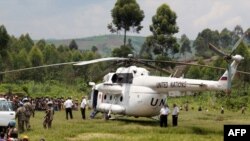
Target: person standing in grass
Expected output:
[175,114]
[68,104]
[83,107]
[49,113]
[21,117]
[222,110]
[164,116]
[28,112]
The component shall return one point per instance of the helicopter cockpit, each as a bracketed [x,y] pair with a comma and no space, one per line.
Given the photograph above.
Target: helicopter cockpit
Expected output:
[124,75]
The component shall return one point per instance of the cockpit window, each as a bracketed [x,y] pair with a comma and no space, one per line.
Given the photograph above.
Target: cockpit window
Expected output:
[122,78]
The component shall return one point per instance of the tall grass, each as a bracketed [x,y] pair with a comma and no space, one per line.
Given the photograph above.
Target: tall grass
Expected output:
[193,126]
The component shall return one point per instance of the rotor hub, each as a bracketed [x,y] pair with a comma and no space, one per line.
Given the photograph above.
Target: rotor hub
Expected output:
[237,58]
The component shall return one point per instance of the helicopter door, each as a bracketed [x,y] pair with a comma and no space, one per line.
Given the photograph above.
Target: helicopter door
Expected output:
[94,102]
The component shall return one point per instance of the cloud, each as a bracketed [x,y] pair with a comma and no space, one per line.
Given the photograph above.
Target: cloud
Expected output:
[217,11]
[232,22]
[78,18]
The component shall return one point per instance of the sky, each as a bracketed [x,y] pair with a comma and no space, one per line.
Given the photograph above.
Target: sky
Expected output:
[71,19]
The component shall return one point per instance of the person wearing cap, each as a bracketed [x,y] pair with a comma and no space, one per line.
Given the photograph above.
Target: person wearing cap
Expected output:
[48,118]
[21,117]
[28,112]
[68,104]
[83,107]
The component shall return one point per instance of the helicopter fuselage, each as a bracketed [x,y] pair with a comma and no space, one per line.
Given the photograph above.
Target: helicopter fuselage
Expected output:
[131,91]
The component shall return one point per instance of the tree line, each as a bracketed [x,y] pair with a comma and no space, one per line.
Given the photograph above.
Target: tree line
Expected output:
[23,52]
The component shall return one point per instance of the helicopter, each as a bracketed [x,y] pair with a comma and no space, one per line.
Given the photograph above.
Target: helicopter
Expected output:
[132,91]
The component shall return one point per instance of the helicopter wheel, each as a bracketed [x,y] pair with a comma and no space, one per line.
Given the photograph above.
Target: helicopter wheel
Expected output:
[107,116]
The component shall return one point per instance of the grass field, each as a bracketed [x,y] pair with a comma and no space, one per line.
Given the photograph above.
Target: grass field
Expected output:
[192,126]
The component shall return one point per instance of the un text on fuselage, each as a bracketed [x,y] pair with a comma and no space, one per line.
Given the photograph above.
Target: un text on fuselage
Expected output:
[176,84]
[157,102]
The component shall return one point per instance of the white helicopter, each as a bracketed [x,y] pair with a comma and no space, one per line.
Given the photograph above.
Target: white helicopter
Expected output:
[131,91]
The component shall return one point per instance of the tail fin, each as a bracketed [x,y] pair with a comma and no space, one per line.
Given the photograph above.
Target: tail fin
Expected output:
[224,78]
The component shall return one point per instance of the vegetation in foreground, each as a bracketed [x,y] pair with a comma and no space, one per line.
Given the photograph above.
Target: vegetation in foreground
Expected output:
[192,126]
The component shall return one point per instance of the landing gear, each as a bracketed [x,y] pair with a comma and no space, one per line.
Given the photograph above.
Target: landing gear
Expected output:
[107,116]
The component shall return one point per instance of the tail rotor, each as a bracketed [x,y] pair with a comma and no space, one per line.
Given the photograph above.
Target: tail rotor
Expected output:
[228,58]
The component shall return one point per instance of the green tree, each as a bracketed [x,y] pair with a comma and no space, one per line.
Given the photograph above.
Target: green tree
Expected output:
[94,49]
[225,38]
[244,65]
[36,56]
[62,48]
[146,50]
[185,45]
[36,59]
[203,39]
[76,56]
[73,45]
[41,44]
[126,14]
[25,42]
[20,61]
[163,27]
[4,39]
[123,51]
[50,54]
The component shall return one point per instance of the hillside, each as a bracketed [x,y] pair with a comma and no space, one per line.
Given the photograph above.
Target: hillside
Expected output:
[104,43]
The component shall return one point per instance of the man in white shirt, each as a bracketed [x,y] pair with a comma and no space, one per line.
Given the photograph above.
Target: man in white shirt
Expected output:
[164,116]
[83,107]
[175,115]
[68,104]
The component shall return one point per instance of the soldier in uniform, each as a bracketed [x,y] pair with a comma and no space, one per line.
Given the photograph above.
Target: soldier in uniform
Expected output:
[28,113]
[48,118]
[21,118]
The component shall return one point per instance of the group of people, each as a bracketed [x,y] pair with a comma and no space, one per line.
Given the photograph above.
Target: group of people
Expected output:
[165,111]
[24,111]
[68,104]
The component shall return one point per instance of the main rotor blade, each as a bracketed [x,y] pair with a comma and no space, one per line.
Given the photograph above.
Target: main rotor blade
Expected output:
[82,63]
[243,72]
[37,67]
[191,64]
[237,43]
[154,67]
[216,50]
[182,63]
